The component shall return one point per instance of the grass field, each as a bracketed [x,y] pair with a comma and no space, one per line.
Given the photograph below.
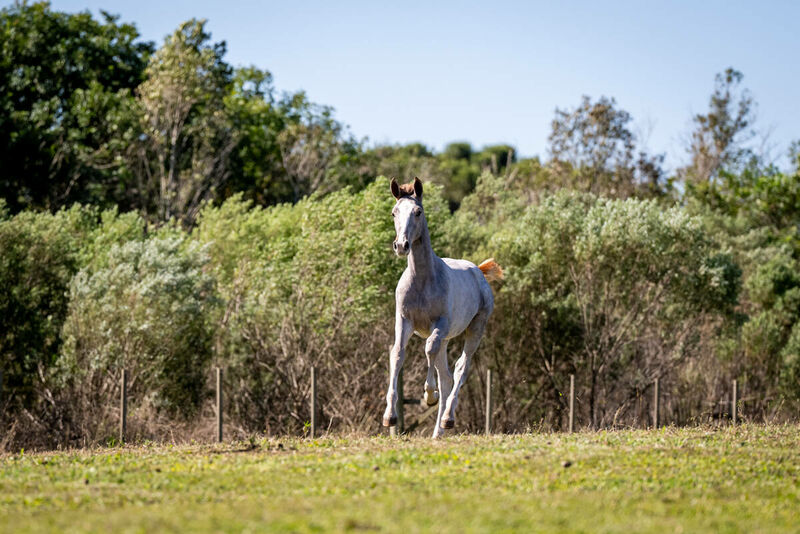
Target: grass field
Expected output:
[733,479]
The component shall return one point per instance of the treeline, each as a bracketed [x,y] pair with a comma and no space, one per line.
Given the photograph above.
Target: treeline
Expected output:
[92,114]
[166,213]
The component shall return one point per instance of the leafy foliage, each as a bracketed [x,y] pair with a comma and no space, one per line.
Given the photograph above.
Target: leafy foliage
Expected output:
[39,258]
[226,222]
[303,285]
[612,291]
[594,150]
[186,136]
[144,307]
[60,76]
[719,140]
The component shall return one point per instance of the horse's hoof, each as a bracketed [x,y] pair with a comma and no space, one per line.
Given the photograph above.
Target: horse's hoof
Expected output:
[432,400]
[448,424]
[390,421]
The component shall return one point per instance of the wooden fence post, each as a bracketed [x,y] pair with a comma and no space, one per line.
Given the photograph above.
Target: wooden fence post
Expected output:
[571,401]
[313,402]
[734,401]
[123,406]
[488,401]
[219,404]
[656,400]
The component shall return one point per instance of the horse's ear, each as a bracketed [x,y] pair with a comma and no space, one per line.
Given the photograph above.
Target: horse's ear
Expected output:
[395,189]
[417,188]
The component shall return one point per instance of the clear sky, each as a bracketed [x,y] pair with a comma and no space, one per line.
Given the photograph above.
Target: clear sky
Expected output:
[490,72]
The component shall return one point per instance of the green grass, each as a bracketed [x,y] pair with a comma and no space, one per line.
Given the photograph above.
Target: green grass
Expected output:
[734,479]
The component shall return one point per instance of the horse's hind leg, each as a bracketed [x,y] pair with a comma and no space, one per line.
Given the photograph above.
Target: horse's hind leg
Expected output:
[473,338]
[445,385]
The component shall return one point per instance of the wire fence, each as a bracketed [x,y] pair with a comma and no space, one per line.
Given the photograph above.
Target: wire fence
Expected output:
[730,409]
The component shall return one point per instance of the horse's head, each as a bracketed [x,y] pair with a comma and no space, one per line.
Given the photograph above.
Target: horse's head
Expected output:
[409,218]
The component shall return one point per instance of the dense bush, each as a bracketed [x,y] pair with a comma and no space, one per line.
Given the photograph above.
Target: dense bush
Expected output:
[40,255]
[617,292]
[144,306]
[307,285]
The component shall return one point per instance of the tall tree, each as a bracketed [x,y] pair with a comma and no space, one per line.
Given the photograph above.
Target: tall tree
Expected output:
[594,150]
[187,138]
[720,136]
[287,146]
[315,148]
[61,77]
[256,163]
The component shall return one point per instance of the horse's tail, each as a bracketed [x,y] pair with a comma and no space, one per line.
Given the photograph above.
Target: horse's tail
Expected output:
[491,270]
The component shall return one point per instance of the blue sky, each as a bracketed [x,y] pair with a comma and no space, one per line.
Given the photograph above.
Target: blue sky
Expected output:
[494,72]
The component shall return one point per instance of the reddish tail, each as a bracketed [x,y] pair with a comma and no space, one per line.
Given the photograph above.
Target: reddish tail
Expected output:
[491,270]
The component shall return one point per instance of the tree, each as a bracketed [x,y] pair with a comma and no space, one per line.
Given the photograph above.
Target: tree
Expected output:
[794,155]
[496,158]
[594,150]
[256,162]
[458,150]
[182,156]
[719,139]
[61,76]
[316,150]
[456,168]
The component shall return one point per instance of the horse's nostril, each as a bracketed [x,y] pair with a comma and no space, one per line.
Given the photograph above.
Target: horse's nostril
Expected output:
[401,247]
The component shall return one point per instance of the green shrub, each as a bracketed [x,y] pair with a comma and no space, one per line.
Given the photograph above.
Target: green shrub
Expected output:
[616,292]
[308,284]
[40,252]
[145,306]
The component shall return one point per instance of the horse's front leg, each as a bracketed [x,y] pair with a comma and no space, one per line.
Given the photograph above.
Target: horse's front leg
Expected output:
[402,332]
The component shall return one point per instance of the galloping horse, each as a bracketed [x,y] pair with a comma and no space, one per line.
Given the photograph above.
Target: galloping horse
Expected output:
[438,299]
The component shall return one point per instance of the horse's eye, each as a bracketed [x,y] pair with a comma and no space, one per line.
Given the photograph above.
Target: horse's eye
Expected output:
[417,213]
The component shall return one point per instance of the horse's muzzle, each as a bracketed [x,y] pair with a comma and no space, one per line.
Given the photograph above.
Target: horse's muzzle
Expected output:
[401,248]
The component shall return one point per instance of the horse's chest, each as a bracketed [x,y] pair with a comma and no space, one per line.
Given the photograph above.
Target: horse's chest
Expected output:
[422,308]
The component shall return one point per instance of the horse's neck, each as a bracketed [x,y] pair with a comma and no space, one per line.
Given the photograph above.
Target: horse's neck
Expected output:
[421,259]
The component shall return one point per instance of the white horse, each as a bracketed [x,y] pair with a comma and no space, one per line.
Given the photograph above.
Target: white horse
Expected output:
[437,299]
